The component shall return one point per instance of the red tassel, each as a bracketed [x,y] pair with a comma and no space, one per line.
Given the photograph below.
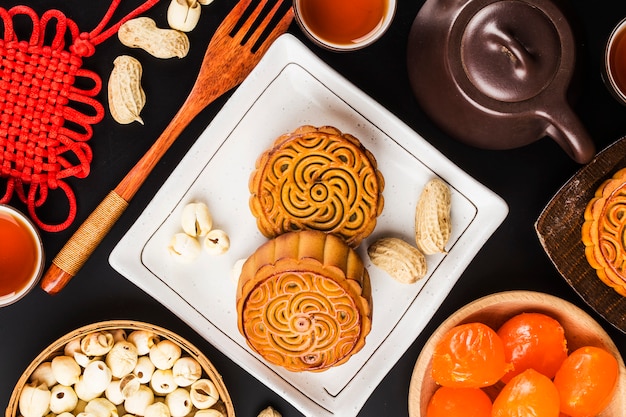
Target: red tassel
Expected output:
[36,88]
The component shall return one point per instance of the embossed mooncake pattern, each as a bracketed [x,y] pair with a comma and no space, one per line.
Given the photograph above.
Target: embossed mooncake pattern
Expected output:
[317,179]
[304,301]
[604,232]
[290,321]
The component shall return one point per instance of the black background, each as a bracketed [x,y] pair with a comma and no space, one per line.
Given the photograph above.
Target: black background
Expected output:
[512,259]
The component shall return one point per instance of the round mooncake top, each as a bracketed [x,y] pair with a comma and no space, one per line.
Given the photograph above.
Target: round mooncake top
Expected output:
[319,179]
[604,232]
[304,301]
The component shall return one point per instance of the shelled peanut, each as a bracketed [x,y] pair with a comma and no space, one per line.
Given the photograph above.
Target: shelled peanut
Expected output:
[432,217]
[142,32]
[126,96]
[403,261]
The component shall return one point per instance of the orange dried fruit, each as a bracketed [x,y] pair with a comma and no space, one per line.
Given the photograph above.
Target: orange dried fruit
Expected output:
[529,393]
[469,355]
[533,340]
[586,381]
[459,402]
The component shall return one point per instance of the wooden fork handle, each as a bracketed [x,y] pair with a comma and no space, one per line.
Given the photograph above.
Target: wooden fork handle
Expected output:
[88,236]
[83,242]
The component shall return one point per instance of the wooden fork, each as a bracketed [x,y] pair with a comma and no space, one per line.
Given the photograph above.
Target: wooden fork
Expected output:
[234,50]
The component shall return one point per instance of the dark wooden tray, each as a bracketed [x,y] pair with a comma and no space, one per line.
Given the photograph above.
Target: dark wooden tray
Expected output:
[559,230]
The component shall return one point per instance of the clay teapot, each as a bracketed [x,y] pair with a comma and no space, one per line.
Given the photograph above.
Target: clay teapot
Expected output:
[495,74]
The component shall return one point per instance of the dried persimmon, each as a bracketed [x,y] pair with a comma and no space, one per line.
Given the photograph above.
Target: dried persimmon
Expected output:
[586,381]
[529,393]
[469,355]
[459,402]
[533,340]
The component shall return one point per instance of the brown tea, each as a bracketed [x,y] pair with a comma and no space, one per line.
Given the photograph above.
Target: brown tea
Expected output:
[343,22]
[616,60]
[19,254]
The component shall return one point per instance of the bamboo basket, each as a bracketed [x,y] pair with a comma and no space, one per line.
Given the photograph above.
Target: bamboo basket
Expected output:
[493,310]
[225,404]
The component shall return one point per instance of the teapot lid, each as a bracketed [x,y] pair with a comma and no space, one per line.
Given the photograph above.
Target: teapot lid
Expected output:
[509,50]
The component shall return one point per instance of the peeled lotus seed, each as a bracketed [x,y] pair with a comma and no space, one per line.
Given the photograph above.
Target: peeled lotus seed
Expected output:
[164,354]
[143,340]
[184,247]
[118,335]
[113,392]
[179,402]
[97,376]
[236,272]
[101,407]
[43,375]
[196,219]
[216,242]
[84,360]
[183,15]
[203,393]
[212,412]
[162,382]
[74,350]
[186,371]
[129,385]
[63,399]
[34,400]
[144,369]
[122,358]
[138,402]
[157,409]
[72,347]
[269,412]
[65,370]
[97,343]
[84,391]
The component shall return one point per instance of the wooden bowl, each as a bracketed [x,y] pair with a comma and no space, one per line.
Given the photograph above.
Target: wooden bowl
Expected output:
[224,404]
[493,310]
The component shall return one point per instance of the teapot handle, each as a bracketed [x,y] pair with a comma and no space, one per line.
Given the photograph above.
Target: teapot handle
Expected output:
[568,131]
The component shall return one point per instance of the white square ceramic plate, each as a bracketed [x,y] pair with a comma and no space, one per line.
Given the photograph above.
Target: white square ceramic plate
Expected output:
[291,87]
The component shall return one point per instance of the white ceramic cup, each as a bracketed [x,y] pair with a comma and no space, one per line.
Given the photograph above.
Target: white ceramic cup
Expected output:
[364,40]
[31,238]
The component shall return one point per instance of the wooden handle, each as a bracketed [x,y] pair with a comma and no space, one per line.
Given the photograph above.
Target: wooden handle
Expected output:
[83,242]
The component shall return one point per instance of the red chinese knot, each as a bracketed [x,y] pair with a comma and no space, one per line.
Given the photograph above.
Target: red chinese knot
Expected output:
[45,119]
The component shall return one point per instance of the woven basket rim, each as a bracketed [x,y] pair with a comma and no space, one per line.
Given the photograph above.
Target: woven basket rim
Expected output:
[54,348]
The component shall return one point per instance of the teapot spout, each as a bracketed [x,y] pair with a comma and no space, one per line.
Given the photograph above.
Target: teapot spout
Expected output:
[568,131]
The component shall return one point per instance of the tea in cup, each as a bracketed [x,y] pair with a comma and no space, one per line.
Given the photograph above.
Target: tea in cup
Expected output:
[344,25]
[615,62]
[21,255]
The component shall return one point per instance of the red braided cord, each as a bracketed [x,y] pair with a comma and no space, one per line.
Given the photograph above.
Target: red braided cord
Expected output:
[99,35]
[42,138]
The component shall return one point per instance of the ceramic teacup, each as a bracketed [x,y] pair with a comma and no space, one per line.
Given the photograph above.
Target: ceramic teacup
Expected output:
[21,255]
[344,25]
[615,62]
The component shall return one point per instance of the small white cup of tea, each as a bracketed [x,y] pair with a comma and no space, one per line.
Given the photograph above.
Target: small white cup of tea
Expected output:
[21,255]
[344,25]
[614,73]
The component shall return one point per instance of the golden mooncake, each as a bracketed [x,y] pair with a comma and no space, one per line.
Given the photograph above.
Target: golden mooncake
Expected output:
[304,301]
[604,232]
[319,179]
